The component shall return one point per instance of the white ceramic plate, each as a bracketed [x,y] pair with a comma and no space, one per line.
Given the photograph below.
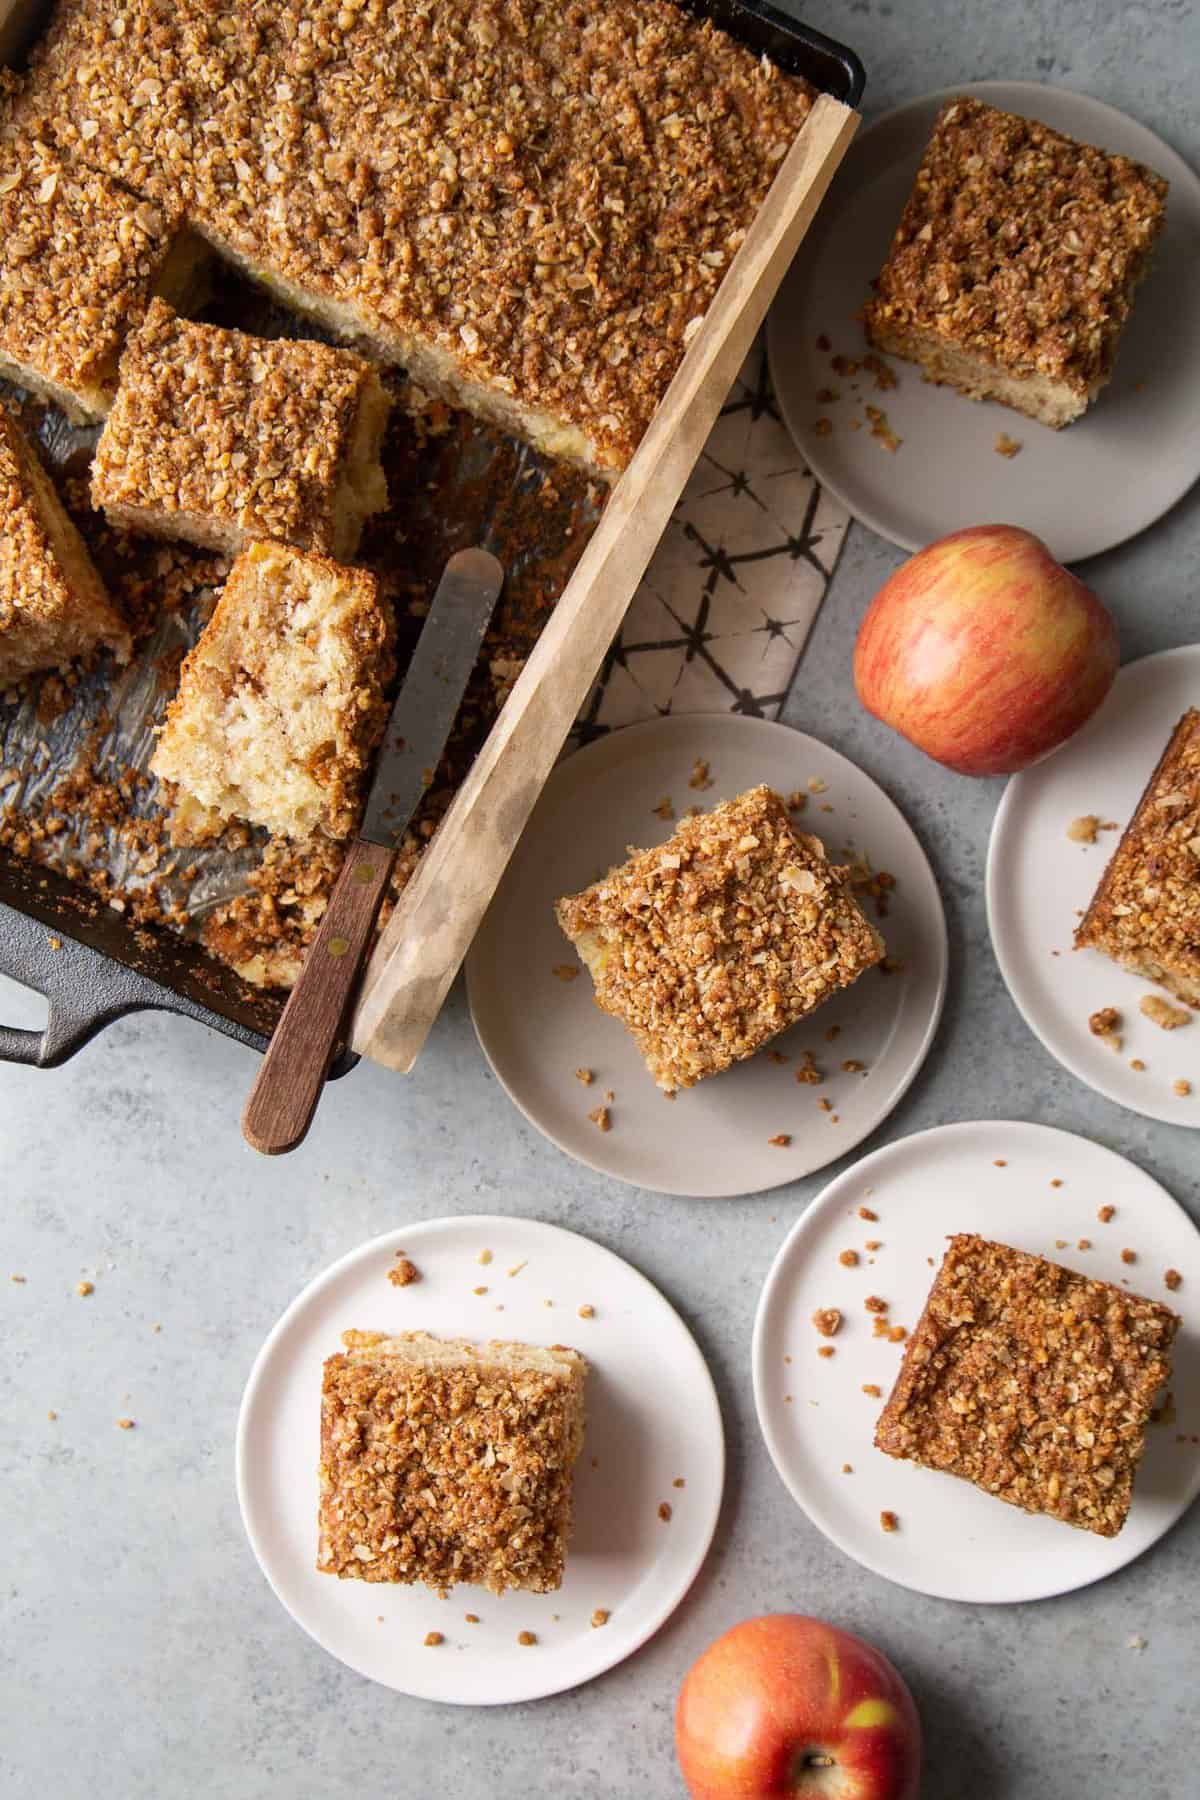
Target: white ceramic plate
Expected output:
[1082,490]
[1039,882]
[713,1139]
[642,1436]
[954,1541]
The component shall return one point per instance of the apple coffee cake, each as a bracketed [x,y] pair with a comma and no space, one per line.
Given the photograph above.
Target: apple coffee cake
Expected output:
[80,258]
[221,438]
[1145,913]
[1014,266]
[1031,1381]
[711,944]
[529,204]
[53,606]
[281,702]
[444,1461]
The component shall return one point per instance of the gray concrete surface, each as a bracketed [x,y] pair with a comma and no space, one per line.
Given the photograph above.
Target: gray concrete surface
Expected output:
[142,1656]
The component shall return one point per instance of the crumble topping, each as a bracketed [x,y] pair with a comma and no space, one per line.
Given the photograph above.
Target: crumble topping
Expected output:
[1032,1381]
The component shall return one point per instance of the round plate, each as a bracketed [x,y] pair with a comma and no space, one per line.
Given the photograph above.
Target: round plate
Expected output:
[954,1541]
[1030,857]
[1081,490]
[714,1139]
[643,1437]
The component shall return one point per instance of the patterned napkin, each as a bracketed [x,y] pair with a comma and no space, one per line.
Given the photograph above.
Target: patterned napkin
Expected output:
[722,614]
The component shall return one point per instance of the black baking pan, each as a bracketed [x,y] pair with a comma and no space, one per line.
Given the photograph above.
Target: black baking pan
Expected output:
[90,962]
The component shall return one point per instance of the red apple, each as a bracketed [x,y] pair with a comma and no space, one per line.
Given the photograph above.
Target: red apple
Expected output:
[785,1707]
[984,652]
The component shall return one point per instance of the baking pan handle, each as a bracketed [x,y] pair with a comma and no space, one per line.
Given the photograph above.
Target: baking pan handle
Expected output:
[84,990]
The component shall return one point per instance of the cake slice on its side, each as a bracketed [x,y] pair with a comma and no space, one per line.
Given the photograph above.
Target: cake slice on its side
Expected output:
[1032,1382]
[220,438]
[281,702]
[1145,913]
[710,945]
[1014,266]
[53,605]
[444,1461]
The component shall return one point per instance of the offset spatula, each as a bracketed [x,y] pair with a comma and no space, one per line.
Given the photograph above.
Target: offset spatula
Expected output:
[284,1097]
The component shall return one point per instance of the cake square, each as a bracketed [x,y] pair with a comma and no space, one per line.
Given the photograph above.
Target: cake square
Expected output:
[281,702]
[1145,913]
[1014,266]
[711,944]
[444,1461]
[1032,1382]
[53,605]
[540,248]
[80,259]
[221,438]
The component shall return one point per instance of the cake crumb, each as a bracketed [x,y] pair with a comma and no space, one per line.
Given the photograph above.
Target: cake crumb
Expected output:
[847,1469]
[1129,1256]
[834,1032]
[1136,1643]
[19,1279]
[808,1073]
[1172,1278]
[485,1256]
[526,1638]
[848,1259]
[471,1618]
[897,1334]
[1056,1182]
[665,809]
[565,971]
[778,1058]
[1000,1162]
[1160,1012]
[517,1267]
[872,1390]
[700,776]
[55,943]
[1106,1213]
[679,1482]
[1007,446]
[664,1511]
[479,1290]
[881,429]
[826,1350]
[601,1616]
[852,1066]
[586,1076]
[1181,1087]
[828,1321]
[873,1244]
[84,1288]
[1084,1244]
[888,1521]
[1104,1022]
[587,1311]
[1060,1243]
[781,1140]
[126,1424]
[600,1117]
[404,1272]
[433,1639]
[874,1304]
[52,1414]
[823,427]
[1135,1062]
[797,801]
[864,1212]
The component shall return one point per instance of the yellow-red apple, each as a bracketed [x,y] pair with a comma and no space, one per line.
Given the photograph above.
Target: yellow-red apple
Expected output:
[984,652]
[788,1708]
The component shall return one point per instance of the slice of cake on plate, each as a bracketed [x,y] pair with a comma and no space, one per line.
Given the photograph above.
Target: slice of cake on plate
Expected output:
[1031,1381]
[53,605]
[1145,913]
[220,438]
[281,702]
[1014,266]
[710,945]
[444,1461]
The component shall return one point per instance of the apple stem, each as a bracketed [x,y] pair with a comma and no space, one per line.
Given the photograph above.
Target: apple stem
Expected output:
[813,1761]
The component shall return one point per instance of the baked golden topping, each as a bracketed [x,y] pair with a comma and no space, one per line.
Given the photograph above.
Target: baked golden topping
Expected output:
[1019,248]
[443,1461]
[529,203]
[1032,1382]
[220,438]
[708,946]
[1146,911]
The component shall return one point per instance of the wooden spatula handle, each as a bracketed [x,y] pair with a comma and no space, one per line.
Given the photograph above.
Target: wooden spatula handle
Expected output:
[285,1093]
